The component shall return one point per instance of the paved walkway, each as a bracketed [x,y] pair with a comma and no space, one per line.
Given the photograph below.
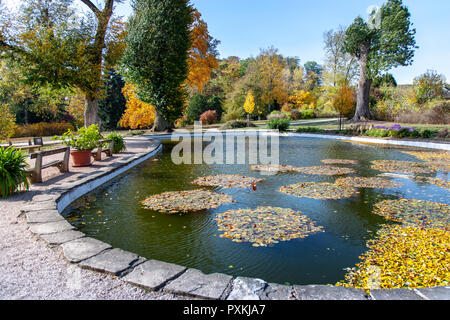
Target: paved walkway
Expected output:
[29,269]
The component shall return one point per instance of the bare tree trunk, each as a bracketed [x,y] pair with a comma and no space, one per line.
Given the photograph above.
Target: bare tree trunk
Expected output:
[363,90]
[91,112]
[161,124]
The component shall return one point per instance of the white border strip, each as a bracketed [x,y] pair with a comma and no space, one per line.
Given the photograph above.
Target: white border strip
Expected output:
[416,144]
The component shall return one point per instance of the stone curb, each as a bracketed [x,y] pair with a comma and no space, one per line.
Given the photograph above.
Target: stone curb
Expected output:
[47,223]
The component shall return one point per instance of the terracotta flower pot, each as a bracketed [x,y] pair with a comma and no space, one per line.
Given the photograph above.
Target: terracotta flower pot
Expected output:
[81,158]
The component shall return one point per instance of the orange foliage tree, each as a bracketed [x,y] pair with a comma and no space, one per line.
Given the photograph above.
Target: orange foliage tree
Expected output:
[202,56]
[138,115]
[344,101]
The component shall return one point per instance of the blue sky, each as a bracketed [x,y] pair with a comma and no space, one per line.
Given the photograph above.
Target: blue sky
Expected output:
[296,28]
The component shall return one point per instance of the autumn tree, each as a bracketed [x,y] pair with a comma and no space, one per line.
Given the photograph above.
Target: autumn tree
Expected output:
[138,114]
[385,41]
[156,57]
[271,65]
[249,105]
[344,100]
[202,54]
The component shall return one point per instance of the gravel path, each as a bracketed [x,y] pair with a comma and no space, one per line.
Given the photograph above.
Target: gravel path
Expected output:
[29,269]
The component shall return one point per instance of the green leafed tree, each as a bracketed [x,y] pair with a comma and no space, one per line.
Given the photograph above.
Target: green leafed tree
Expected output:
[59,46]
[385,41]
[155,60]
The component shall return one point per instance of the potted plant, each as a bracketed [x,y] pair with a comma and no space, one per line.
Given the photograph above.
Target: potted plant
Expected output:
[83,141]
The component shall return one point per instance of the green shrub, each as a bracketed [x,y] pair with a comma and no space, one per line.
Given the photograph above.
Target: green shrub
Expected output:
[308,130]
[13,176]
[236,124]
[84,139]
[307,114]
[427,134]
[279,124]
[42,129]
[119,143]
[379,133]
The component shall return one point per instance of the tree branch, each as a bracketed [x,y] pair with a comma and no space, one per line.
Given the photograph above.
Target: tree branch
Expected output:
[91,6]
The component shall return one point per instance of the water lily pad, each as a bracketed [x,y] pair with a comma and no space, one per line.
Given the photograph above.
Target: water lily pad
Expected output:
[227,181]
[325,170]
[415,212]
[185,201]
[265,225]
[274,168]
[322,191]
[403,257]
[430,156]
[402,166]
[367,182]
[340,161]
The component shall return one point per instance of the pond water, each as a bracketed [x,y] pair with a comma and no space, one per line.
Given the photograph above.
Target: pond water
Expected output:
[114,214]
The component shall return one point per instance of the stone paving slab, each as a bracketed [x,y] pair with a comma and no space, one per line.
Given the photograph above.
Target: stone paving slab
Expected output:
[45,197]
[154,274]
[276,291]
[39,206]
[50,227]
[44,216]
[197,284]
[62,237]
[395,294]
[321,292]
[436,293]
[114,261]
[83,248]
[244,288]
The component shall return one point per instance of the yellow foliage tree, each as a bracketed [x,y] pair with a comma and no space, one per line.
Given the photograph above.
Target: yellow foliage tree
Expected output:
[302,99]
[201,59]
[249,105]
[138,115]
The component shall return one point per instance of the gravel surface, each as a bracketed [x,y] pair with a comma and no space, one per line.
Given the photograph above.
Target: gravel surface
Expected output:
[29,269]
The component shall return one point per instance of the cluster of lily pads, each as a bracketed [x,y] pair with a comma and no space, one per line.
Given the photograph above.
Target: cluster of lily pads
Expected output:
[367,182]
[322,191]
[186,201]
[403,166]
[226,181]
[265,225]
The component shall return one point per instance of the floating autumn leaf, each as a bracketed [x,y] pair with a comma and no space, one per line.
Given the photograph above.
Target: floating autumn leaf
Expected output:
[274,168]
[436,181]
[322,191]
[403,257]
[265,225]
[402,166]
[325,170]
[340,161]
[185,201]
[416,212]
[367,182]
[227,181]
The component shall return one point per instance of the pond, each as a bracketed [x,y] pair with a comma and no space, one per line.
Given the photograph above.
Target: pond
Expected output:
[115,214]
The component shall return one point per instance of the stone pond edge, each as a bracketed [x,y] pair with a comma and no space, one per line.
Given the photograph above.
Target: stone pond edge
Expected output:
[46,222]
